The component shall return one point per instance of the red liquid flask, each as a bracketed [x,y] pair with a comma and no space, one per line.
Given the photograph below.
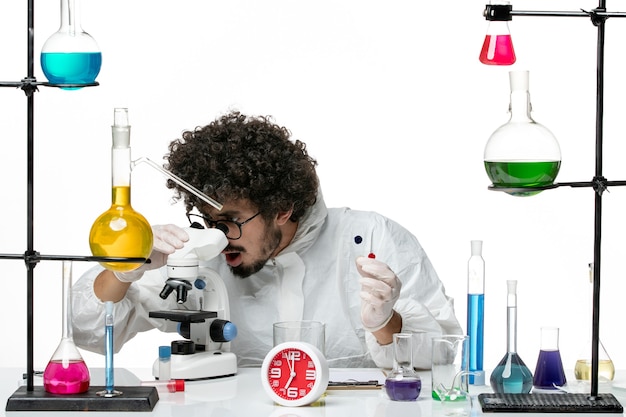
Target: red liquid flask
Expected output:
[497,50]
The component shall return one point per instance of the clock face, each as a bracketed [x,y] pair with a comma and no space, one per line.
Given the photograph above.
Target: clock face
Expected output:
[295,373]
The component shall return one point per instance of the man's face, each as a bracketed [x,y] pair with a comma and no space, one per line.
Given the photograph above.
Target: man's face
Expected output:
[257,244]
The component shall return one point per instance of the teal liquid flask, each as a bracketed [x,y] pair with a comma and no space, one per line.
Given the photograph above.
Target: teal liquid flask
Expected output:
[511,375]
[521,153]
[71,56]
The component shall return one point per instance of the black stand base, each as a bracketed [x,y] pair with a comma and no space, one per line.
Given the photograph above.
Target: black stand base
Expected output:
[132,399]
[549,403]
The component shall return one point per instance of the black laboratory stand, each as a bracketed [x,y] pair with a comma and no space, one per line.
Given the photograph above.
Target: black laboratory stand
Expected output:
[593,402]
[29,397]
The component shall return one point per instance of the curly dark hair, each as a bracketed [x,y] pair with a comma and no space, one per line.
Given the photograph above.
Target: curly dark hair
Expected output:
[240,157]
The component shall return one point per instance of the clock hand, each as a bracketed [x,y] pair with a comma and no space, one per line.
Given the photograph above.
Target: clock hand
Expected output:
[292,373]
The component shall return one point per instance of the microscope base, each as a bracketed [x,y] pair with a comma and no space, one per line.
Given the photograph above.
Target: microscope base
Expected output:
[200,365]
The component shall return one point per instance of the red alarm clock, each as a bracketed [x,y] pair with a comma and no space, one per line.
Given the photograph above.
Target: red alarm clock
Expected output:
[295,374]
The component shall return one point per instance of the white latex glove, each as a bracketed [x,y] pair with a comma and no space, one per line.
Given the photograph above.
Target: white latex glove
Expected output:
[380,289]
[166,240]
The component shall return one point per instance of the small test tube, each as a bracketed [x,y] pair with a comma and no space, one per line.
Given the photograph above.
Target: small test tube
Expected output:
[165,363]
[171,385]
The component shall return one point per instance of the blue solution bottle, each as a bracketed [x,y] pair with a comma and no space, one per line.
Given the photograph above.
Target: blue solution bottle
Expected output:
[476,312]
[71,56]
[511,375]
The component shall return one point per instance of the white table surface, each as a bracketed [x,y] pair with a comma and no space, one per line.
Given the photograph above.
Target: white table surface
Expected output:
[243,396]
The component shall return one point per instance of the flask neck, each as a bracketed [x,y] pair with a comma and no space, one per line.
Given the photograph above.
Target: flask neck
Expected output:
[403,353]
[520,107]
[120,176]
[511,329]
[67,300]
[70,16]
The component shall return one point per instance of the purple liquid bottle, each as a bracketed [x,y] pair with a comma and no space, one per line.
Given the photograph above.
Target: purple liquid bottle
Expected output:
[403,383]
[549,373]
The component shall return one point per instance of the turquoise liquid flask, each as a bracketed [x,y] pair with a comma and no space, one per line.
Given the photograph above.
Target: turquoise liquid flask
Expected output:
[511,375]
[66,372]
[521,153]
[70,55]
[476,312]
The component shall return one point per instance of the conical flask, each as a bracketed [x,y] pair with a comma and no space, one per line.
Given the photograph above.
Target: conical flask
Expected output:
[70,55]
[582,369]
[121,231]
[66,373]
[549,372]
[498,47]
[522,153]
[403,383]
[511,375]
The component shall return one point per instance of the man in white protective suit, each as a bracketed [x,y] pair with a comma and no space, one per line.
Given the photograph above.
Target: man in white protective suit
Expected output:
[288,257]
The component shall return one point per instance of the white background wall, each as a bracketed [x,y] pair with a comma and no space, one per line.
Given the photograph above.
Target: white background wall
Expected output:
[390,98]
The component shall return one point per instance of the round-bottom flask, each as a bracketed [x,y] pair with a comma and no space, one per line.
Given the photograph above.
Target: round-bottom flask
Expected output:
[70,55]
[521,153]
[66,372]
[121,231]
[403,383]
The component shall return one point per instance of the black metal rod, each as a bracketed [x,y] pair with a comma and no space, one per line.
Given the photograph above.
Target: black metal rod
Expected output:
[597,241]
[30,202]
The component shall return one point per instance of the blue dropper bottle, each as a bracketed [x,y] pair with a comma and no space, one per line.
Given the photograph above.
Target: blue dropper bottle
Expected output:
[475,312]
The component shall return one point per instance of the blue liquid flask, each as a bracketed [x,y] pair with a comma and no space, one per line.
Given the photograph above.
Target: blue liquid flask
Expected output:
[475,312]
[511,375]
[71,56]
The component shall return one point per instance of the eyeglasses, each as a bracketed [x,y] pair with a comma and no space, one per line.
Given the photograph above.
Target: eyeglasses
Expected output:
[233,226]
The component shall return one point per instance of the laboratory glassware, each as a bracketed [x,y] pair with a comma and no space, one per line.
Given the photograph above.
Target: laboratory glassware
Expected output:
[549,372]
[165,362]
[66,372]
[71,55]
[475,312]
[403,383]
[582,368]
[121,231]
[497,47]
[109,370]
[511,375]
[521,153]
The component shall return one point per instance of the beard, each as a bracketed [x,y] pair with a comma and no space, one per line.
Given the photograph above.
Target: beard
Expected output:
[270,244]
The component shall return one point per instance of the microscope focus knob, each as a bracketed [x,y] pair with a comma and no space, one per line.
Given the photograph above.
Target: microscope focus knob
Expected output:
[222,331]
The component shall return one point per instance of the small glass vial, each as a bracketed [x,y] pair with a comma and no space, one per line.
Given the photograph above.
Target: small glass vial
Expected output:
[521,153]
[549,372]
[165,363]
[403,383]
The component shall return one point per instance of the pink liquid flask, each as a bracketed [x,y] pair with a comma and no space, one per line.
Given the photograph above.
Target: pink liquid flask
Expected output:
[66,378]
[66,372]
[497,50]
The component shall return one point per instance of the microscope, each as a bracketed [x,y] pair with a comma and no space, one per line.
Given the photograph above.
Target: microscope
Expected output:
[205,351]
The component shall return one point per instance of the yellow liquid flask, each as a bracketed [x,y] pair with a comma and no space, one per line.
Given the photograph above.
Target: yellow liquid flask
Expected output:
[121,231]
[582,368]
